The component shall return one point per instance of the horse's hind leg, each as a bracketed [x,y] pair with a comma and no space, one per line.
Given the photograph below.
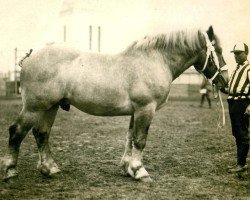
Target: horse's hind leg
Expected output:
[17,132]
[41,131]
[142,119]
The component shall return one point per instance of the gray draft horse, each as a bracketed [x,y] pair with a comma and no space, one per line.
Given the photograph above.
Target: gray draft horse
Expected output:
[135,82]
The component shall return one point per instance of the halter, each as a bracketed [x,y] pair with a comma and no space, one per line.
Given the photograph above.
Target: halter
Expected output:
[214,58]
[211,52]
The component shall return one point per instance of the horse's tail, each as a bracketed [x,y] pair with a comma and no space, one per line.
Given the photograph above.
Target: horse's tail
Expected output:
[20,63]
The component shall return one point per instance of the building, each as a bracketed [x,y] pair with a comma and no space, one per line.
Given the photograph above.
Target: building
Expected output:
[3,80]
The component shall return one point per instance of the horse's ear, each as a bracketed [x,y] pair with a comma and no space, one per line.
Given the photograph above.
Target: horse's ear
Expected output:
[210,33]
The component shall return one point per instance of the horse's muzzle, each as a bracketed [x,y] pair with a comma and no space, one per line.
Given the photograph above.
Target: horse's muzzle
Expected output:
[220,81]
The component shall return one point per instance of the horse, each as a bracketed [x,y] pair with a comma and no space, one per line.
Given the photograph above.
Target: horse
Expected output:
[135,82]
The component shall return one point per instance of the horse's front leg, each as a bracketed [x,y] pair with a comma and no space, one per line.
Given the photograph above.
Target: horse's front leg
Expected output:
[142,119]
[128,146]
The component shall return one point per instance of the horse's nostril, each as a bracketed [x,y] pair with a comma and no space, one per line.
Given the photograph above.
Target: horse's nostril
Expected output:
[215,82]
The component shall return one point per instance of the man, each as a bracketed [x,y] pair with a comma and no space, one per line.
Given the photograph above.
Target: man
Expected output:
[239,110]
[205,92]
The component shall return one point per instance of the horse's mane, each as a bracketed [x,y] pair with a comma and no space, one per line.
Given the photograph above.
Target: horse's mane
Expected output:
[184,41]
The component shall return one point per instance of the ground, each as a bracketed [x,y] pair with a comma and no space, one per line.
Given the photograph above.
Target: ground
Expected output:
[186,156]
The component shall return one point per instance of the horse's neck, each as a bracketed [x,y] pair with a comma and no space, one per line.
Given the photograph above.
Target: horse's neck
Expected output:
[179,63]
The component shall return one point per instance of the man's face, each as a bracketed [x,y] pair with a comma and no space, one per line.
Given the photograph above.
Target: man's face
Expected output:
[240,57]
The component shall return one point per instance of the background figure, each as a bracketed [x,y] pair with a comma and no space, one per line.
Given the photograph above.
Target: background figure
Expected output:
[205,92]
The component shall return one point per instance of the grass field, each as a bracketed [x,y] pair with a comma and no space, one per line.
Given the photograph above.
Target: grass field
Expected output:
[186,156]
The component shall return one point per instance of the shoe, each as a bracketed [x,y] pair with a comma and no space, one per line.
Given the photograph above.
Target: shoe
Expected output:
[238,168]
[231,166]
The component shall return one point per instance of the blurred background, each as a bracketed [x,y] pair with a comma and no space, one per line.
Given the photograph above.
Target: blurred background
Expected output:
[109,26]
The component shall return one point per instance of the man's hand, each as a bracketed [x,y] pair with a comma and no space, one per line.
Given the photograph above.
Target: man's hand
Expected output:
[247,112]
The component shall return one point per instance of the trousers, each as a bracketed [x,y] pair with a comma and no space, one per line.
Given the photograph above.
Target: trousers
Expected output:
[207,96]
[240,125]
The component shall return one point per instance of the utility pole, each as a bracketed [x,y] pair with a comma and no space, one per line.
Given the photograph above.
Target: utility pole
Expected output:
[15,71]
[64,33]
[99,39]
[90,38]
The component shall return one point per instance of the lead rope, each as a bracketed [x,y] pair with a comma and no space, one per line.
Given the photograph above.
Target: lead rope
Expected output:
[216,93]
[221,121]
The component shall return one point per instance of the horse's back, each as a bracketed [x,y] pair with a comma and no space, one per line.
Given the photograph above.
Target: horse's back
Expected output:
[49,55]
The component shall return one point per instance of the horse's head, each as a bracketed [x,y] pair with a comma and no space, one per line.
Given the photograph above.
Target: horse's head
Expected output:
[210,59]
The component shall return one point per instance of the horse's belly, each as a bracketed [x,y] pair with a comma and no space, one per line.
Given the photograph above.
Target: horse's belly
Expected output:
[103,105]
[101,110]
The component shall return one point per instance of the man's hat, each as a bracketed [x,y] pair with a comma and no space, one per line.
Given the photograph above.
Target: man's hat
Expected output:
[240,46]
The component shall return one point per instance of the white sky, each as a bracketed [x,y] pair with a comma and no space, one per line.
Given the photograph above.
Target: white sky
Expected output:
[23,23]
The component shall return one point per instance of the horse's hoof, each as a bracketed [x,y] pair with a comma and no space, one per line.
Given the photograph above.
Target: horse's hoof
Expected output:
[55,170]
[125,166]
[146,179]
[49,172]
[10,173]
[141,173]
